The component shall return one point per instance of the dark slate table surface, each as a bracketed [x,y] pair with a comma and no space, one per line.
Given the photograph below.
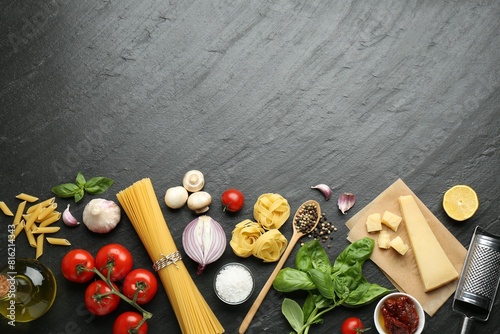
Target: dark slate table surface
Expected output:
[265,96]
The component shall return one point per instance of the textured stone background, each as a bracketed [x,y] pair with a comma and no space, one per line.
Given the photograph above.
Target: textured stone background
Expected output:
[265,96]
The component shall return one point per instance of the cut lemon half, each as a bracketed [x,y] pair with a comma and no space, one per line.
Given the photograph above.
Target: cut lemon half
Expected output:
[460,202]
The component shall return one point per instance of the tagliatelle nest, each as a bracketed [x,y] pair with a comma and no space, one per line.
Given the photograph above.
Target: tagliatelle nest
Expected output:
[271,211]
[244,236]
[270,245]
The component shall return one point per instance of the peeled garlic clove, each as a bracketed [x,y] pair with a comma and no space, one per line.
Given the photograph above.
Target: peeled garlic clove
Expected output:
[68,218]
[346,201]
[325,190]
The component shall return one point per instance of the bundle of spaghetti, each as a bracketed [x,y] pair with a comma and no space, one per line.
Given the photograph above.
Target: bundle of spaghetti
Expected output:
[141,205]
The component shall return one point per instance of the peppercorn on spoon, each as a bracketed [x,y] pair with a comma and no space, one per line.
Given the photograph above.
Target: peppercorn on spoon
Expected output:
[301,227]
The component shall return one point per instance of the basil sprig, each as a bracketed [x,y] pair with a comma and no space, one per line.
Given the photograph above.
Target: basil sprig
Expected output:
[94,186]
[327,286]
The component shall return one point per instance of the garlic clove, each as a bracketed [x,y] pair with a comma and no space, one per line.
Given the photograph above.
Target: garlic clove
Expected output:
[193,181]
[101,215]
[346,201]
[68,218]
[325,190]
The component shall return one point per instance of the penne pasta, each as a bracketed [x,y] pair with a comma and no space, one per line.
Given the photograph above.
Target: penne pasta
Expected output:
[43,204]
[19,228]
[46,212]
[52,218]
[30,218]
[27,198]
[19,212]
[31,237]
[58,241]
[39,246]
[5,209]
[41,230]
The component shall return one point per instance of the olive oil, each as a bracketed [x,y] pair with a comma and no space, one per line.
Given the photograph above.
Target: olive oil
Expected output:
[29,290]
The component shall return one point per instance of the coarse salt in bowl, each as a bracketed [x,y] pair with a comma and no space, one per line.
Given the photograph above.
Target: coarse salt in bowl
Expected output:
[379,319]
[234,283]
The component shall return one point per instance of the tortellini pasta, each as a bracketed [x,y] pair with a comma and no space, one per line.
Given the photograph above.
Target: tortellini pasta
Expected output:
[270,245]
[271,211]
[244,236]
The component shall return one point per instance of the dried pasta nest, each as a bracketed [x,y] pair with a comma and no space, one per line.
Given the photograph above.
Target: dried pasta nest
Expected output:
[244,236]
[270,245]
[271,211]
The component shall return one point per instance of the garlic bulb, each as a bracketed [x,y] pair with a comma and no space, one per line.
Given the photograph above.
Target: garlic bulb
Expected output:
[193,181]
[204,241]
[199,201]
[101,215]
[176,197]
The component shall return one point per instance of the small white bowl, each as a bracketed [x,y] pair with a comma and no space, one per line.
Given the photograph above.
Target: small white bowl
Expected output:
[237,289]
[378,319]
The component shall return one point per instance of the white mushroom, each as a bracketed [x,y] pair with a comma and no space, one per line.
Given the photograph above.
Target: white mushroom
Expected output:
[101,215]
[199,201]
[193,181]
[176,197]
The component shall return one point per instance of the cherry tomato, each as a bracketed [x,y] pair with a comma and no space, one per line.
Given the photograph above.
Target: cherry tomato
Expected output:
[142,280]
[98,300]
[353,325]
[117,257]
[74,265]
[233,200]
[127,321]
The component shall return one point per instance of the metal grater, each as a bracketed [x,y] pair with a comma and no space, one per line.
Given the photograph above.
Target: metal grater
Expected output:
[479,280]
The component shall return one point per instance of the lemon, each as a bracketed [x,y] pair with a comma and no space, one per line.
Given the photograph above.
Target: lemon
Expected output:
[460,202]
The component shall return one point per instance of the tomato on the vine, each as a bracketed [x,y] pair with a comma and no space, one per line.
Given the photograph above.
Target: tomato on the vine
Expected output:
[99,299]
[142,280]
[233,200]
[353,325]
[114,256]
[77,266]
[128,321]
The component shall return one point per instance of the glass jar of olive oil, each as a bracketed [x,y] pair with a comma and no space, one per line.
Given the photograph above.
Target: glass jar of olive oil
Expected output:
[27,290]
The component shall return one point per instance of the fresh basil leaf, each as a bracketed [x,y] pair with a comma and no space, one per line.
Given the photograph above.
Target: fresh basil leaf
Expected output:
[80,180]
[290,279]
[79,195]
[365,293]
[98,185]
[321,301]
[65,190]
[357,252]
[293,313]
[323,283]
[312,255]
[308,306]
[351,277]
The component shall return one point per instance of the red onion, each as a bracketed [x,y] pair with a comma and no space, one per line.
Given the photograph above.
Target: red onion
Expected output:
[204,241]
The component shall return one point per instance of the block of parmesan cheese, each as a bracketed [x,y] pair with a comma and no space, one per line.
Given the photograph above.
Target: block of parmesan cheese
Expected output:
[391,220]
[374,223]
[433,264]
[384,240]
[399,245]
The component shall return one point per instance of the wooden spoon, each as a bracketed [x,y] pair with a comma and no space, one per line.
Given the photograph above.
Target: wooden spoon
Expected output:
[297,234]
